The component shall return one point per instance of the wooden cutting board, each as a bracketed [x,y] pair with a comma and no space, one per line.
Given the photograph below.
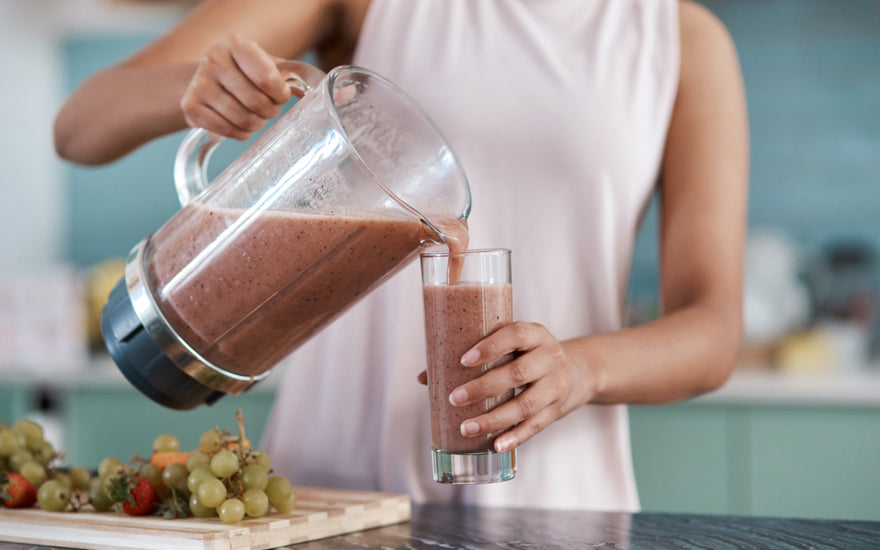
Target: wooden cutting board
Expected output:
[320,513]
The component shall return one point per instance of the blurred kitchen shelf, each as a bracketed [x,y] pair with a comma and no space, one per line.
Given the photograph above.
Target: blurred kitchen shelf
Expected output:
[100,371]
[762,386]
[747,385]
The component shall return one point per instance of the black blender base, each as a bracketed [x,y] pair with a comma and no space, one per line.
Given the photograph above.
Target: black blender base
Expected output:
[142,362]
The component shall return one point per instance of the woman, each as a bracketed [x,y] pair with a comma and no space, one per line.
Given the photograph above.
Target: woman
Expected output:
[566,115]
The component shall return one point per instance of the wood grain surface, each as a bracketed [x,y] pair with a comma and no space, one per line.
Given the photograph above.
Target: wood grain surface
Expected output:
[320,513]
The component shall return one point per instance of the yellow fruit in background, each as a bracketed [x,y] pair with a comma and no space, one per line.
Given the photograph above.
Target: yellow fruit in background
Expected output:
[805,352]
[99,282]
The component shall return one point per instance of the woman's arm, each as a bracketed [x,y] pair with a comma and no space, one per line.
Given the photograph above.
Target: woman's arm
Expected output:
[126,105]
[692,347]
[703,199]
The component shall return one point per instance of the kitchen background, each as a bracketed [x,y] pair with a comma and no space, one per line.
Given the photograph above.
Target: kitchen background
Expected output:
[795,432]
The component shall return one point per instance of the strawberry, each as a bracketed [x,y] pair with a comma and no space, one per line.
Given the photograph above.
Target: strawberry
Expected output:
[137,494]
[16,491]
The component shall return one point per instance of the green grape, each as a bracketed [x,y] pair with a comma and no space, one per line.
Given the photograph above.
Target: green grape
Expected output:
[98,497]
[31,431]
[196,459]
[256,503]
[64,479]
[254,476]
[210,442]
[287,505]
[33,471]
[198,509]
[231,511]
[174,476]
[43,451]
[53,496]
[197,477]
[79,477]
[261,458]
[19,457]
[110,467]
[166,443]
[153,474]
[212,493]
[278,489]
[224,463]
[8,443]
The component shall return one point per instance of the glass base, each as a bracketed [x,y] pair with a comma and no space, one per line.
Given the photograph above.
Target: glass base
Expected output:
[487,467]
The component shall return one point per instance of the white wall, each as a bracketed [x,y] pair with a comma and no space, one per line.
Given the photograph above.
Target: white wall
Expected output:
[32,222]
[30,208]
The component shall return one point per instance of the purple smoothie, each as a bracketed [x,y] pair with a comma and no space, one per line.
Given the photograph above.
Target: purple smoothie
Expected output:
[457,316]
[276,279]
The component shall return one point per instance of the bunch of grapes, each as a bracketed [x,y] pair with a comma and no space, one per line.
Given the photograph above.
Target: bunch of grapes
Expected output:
[223,477]
[28,472]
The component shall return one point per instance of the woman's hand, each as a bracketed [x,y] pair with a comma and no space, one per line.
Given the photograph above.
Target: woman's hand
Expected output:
[552,384]
[236,88]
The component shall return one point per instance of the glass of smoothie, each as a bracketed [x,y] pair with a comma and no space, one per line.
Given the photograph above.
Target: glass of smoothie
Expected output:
[467,296]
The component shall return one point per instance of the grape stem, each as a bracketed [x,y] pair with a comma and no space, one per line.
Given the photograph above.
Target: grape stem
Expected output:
[241,439]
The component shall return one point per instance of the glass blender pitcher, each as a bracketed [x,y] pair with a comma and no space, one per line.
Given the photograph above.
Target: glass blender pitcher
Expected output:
[341,192]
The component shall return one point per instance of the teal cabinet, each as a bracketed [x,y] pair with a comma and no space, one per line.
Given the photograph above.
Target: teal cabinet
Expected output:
[683,458]
[811,462]
[13,401]
[119,421]
[816,461]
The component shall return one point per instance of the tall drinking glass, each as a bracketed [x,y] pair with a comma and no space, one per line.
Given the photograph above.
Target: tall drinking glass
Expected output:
[467,296]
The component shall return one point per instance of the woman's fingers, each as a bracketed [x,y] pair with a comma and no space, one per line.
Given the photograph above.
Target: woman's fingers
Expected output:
[527,404]
[521,371]
[517,336]
[235,90]
[203,116]
[260,69]
[525,430]
[552,384]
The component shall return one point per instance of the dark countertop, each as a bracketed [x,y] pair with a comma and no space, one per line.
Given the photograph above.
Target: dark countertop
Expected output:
[438,527]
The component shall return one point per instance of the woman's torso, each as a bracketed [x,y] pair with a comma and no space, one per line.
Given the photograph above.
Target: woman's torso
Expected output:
[558,111]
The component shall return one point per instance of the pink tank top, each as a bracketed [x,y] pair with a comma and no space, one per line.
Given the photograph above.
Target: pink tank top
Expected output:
[558,111]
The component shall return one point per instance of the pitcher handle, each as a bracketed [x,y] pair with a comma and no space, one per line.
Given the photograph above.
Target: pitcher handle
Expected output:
[191,162]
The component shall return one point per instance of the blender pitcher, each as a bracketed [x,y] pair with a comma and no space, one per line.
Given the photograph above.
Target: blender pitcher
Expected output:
[341,192]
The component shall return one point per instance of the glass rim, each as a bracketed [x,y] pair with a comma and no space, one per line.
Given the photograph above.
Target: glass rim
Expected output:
[469,252]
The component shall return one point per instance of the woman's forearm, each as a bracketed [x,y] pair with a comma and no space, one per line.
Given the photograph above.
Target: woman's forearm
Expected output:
[680,355]
[119,109]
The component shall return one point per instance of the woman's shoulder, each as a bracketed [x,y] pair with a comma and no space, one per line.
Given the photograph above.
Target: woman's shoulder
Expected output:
[706,45]
[700,28]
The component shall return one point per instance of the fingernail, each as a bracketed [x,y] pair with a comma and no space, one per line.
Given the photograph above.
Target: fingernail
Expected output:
[501,445]
[470,357]
[469,428]
[458,396]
